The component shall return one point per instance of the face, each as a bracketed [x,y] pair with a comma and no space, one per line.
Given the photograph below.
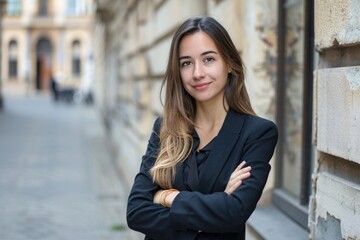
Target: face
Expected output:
[202,68]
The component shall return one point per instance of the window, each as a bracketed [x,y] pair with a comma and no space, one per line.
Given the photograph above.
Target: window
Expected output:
[43,7]
[294,154]
[13,7]
[77,7]
[13,56]
[76,58]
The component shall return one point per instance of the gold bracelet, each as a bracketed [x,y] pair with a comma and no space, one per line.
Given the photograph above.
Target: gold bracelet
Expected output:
[164,195]
[161,198]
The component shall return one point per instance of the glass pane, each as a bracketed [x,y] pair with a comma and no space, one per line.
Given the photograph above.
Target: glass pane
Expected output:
[77,7]
[13,7]
[76,67]
[12,68]
[294,92]
[43,8]
[71,7]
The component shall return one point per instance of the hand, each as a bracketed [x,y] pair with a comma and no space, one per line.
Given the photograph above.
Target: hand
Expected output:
[167,196]
[157,196]
[237,178]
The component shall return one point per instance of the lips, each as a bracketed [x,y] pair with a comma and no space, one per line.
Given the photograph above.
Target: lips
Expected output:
[201,86]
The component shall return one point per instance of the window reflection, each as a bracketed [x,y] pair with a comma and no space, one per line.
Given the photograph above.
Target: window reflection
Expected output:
[294,93]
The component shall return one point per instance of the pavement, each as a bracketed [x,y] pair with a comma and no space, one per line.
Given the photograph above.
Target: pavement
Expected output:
[58,179]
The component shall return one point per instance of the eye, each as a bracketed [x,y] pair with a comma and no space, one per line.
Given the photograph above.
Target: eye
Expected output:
[209,59]
[185,64]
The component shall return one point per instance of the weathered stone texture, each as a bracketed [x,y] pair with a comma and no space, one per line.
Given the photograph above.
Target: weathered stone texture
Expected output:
[338,208]
[337,23]
[338,125]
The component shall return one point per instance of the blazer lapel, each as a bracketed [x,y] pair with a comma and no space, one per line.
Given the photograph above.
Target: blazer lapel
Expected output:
[224,143]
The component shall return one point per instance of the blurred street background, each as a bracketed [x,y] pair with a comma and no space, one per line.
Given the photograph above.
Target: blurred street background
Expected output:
[57,178]
[80,88]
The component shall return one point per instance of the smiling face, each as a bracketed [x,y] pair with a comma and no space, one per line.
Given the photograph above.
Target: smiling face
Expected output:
[203,70]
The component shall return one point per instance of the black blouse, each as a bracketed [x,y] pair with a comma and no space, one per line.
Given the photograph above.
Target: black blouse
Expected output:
[193,165]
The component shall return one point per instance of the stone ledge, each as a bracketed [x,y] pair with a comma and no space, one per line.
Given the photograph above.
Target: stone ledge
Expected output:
[269,223]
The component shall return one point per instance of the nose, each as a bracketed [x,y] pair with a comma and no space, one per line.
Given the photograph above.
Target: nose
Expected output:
[198,71]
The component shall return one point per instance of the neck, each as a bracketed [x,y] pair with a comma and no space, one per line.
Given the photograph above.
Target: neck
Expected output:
[209,116]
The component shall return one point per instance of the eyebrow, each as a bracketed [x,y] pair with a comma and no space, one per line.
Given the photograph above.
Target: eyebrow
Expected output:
[202,54]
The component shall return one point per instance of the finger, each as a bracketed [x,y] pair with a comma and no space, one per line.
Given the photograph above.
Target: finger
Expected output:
[235,184]
[240,178]
[239,172]
[241,165]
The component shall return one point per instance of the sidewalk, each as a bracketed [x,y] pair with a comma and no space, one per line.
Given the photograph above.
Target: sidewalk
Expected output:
[57,178]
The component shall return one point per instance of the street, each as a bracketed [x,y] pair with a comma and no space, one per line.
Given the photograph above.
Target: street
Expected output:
[57,177]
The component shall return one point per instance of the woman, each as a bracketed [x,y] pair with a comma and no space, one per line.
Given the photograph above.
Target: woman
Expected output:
[193,183]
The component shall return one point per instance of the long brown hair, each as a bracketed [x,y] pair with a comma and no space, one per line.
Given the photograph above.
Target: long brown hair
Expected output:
[179,107]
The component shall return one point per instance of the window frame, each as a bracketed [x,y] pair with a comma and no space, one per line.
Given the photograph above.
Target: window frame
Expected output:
[13,60]
[295,207]
[76,59]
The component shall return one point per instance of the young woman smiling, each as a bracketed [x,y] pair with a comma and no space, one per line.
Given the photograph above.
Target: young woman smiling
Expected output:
[207,159]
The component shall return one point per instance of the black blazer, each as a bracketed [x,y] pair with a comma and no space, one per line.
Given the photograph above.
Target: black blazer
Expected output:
[209,213]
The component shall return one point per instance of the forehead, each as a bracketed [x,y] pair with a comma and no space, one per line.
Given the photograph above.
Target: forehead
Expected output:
[196,43]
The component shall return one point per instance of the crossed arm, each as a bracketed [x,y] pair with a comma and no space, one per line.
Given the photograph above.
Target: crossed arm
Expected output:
[240,173]
[188,212]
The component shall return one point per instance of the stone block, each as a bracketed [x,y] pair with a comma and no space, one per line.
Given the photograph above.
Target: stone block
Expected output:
[176,11]
[142,92]
[155,96]
[121,89]
[129,156]
[236,14]
[139,67]
[338,125]
[337,208]
[158,56]
[337,23]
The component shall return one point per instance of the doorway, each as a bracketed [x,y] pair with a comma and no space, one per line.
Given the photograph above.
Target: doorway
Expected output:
[43,64]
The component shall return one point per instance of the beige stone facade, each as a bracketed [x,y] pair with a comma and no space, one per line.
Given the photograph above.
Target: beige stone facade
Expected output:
[335,205]
[41,38]
[313,190]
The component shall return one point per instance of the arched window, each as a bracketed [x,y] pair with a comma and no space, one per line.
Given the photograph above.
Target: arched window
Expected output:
[76,58]
[13,56]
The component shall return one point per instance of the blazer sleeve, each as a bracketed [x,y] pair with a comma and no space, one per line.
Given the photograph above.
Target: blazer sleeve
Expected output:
[219,212]
[142,214]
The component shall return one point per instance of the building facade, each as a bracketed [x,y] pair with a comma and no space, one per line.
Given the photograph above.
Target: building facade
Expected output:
[294,78]
[44,38]
[335,202]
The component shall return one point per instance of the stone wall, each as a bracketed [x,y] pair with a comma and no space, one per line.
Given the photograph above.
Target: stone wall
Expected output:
[335,201]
